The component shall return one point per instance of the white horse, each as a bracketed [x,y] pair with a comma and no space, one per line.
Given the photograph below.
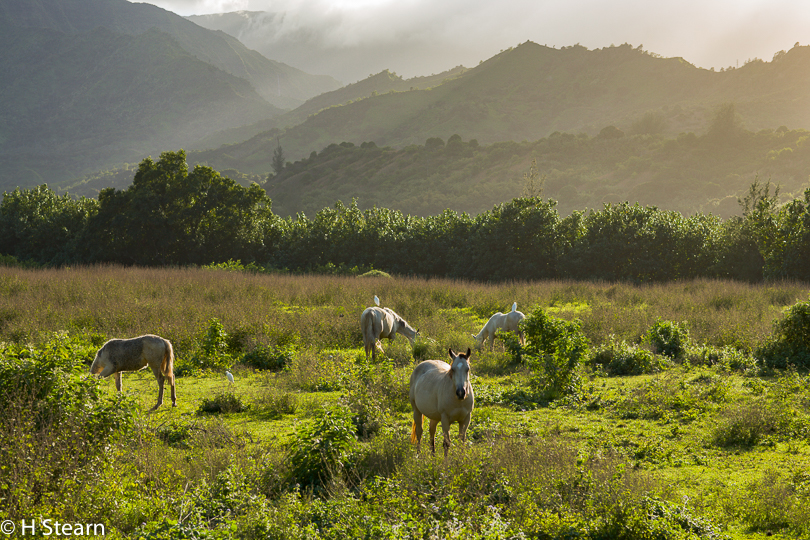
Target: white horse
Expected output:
[119,355]
[442,393]
[508,322]
[377,323]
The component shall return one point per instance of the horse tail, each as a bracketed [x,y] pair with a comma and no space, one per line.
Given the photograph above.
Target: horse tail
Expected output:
[413,430]
[367,324]
[167,366]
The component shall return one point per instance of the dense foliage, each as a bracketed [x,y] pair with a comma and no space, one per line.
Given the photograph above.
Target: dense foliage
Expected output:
[687,173]
[173,216]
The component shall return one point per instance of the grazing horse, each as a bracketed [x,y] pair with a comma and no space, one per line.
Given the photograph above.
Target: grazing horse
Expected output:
[119,355]
[508,322]
[444,394]
[377,323]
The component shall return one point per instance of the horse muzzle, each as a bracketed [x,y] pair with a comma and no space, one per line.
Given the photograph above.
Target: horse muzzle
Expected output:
[461,393]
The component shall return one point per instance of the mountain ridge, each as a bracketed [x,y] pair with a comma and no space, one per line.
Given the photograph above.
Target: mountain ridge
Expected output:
[280,84]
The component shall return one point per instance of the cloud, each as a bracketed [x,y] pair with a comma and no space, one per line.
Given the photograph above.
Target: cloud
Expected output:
[417,37]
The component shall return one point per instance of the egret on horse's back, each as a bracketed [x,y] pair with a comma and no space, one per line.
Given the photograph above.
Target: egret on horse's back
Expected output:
[377,323]
[508,322]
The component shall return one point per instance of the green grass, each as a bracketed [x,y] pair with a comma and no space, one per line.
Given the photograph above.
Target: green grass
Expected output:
[690,438]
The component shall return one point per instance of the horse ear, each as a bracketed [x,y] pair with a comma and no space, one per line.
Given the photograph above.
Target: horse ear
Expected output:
[468,353]
[451,353]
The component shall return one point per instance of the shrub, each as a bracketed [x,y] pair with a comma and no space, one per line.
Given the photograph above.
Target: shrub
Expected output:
[654,518]
[320,451]
[749,423]
[668,338]
[622,358]
[212,354]
[668,396]
[274,404]
[57,425]
[372,392]
[223,402]
[790,344]
[554,350]
[266,357]
[727,357]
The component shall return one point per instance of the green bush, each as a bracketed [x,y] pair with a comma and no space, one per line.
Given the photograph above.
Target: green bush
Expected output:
[622,358]
[274,404]
[320,451]
[668,338]
[212,354]
[223,402]
[554,351]
[750,423]
[57,425]
[790,344]
[669,396]
[654,519]
[266,357]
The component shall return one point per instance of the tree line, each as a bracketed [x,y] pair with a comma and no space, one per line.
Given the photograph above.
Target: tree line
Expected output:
[173,216]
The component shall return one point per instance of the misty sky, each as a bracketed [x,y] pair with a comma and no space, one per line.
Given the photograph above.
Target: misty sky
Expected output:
[446,33]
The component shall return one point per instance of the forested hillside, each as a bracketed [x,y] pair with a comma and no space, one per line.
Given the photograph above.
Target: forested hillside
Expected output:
[381,83]
[532,91]
[688,173]
[173,216]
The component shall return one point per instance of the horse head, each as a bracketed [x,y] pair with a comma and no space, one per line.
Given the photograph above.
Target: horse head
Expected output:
[460,371]
[406,330]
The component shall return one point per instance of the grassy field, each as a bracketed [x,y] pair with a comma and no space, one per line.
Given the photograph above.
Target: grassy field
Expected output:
[710,446]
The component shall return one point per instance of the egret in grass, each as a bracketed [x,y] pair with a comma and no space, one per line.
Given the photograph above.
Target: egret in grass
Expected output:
[376,300]
[229,375]
[514,306]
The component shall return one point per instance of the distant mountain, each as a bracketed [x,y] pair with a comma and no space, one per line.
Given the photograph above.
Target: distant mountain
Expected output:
[281,85]
[381,83]
[323,43]
[88,84]
[531,91]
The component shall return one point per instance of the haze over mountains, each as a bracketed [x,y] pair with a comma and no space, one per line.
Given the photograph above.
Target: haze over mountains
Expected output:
[93,83]
[96,83]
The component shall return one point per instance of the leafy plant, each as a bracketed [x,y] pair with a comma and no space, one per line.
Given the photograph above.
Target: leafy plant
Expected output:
[223,402]
[790,344]
[322,449]
[554,350]
[668,338]
[622,358]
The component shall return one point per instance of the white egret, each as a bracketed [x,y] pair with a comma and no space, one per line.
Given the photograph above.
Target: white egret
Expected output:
[514,306]
[229,375]
[376,300]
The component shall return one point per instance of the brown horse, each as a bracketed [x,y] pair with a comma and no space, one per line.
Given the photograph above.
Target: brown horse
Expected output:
[444,394]
[119,355]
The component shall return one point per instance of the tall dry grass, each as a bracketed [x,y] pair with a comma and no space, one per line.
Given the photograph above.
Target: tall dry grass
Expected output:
[323,311]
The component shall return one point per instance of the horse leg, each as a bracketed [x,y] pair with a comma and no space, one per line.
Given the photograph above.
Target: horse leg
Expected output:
[462,427]
[160,379]
[417,427]
[433,424]
[446,434]
[174,395]
[118,381]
